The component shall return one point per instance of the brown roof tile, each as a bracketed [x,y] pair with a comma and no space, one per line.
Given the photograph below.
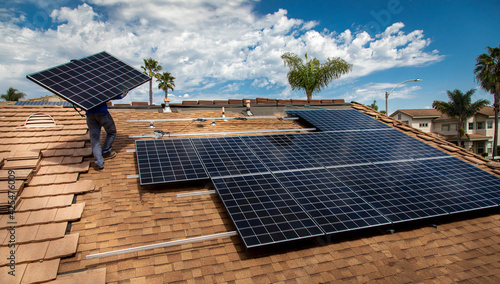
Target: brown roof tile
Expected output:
[95,276]
[41,271]
[62,247]
[51,231]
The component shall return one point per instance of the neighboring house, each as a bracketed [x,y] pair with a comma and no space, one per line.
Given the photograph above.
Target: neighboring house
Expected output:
[479,129]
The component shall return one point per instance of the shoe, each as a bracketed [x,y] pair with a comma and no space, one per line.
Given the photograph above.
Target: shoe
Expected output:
[96,167]
[110,155]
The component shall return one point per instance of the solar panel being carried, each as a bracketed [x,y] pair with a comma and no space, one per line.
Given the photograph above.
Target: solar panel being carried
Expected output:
[338,120]
[90,81]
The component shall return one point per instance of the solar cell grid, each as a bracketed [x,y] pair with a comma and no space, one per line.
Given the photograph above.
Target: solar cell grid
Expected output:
[90,81]
[321,148]
[280,152]
[340,119]
[168,160]
[383,145]
[467,176]
[263,211]
[227,156]
[395,201]
[424,179]
[333,206]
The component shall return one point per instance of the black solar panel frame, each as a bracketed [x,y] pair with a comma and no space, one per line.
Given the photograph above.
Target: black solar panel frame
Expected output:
[90,81]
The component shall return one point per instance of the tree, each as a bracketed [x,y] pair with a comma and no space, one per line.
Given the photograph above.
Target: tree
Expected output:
[487,73]
[166,81]
[313,76]
[460,108]
[13,95]
[151,67]
[374,105]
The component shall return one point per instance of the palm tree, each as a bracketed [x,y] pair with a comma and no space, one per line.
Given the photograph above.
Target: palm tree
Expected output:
[13,95]
[312,76]
[151,68]
[166,81]
[460,108]
[487,73]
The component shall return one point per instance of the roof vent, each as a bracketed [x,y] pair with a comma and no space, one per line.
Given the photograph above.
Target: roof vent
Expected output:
[39,120]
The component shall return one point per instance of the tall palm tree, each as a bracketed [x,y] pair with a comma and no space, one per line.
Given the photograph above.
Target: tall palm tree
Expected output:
[312,76]
[460,108]
[166,81]
[487,73]
[13,95]
[151,67]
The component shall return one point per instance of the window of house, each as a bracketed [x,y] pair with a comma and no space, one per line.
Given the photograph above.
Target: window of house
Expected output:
[453,127]
[445,127]
[490,124]
[471,125]
[424,125]
[399,116]
[480,147]
[480,125]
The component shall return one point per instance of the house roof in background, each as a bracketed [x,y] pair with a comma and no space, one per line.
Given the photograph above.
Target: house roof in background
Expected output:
[118,213]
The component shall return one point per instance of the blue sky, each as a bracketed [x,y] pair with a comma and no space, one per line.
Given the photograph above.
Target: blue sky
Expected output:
[231,49]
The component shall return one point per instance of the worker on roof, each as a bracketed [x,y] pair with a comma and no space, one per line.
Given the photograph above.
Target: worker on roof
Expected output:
[98,117]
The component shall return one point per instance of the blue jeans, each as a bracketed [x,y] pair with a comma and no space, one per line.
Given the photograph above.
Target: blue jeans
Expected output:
[95,121]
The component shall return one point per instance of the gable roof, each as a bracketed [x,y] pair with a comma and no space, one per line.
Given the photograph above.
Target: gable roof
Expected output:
[433,113]
[120,214]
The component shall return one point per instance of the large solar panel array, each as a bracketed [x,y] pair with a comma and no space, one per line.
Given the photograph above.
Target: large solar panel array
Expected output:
[90,81]
[278,188]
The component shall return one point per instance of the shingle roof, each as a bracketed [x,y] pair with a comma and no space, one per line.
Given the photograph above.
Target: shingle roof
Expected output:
[120,214]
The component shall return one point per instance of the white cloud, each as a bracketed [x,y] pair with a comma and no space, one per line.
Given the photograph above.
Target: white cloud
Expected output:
[376,91]
[204,44]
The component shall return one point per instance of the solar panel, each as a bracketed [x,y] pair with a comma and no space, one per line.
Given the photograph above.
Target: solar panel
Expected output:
[280,152]
[227,156]
[332,205]
[339,119]
[263,211]
[383,145]
[394,200]
[90,81]
[323,149]
[168,160]
[430,179]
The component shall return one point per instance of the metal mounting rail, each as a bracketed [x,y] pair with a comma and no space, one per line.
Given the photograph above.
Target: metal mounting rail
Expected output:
[162,245]
[213,118]
[166,134]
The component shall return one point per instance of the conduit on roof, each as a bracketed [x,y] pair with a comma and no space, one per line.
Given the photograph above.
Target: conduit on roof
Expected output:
[213,118]
[196,193]
[159,134]
[162,245]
